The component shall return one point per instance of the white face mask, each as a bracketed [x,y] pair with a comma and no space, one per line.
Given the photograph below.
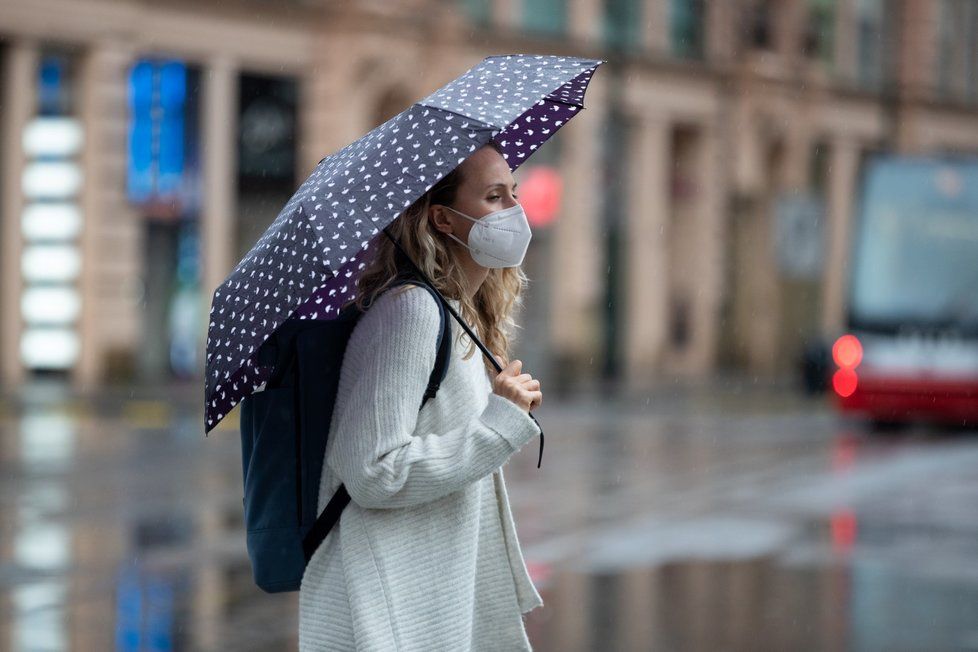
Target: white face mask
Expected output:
[498,239]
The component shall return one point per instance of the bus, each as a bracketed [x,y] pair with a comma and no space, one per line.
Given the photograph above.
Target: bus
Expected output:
[909,350]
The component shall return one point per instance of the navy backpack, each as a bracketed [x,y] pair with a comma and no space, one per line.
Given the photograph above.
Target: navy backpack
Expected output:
[283,440]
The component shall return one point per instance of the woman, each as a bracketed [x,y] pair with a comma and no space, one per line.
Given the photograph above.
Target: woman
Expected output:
[425,556]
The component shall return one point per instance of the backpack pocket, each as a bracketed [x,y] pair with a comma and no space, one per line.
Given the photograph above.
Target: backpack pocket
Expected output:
[269,459]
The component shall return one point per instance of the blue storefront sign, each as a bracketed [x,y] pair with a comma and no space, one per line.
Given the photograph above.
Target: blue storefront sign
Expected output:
[157,139]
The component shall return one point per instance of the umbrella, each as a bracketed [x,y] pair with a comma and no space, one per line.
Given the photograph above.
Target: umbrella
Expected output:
[306,263]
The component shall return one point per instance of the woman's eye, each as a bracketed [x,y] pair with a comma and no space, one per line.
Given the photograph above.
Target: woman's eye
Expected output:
[494,197]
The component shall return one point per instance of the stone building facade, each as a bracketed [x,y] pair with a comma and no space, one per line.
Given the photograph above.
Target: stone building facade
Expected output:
[663,261]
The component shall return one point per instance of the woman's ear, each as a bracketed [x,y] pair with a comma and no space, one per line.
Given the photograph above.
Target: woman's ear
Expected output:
[439,218]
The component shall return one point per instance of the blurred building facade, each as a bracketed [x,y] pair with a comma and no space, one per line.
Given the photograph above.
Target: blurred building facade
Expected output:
[705,201]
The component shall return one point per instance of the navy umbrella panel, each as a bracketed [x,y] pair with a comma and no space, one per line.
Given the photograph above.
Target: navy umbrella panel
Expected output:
[307,261]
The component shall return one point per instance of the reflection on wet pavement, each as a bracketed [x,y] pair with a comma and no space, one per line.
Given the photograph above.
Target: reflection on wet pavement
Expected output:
[670,525]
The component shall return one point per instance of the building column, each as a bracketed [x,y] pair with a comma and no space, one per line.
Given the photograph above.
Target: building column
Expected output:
[505,13]
[219,154]
[722,20]
[111,239]
[843,163]
[655,26]
[646,280]
[331,121]
[918,51]
[577,259]
[798,153]
[19,100]
[315,115]
[747,173]
[789,28]
[585,20]
[307,152]
[846,40]
[754,273]
[918,54]
[711,229]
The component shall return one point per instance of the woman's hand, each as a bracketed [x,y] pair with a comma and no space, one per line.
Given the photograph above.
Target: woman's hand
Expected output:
[522,389]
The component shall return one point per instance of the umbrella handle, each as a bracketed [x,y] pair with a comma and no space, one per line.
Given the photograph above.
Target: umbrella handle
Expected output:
[468,330]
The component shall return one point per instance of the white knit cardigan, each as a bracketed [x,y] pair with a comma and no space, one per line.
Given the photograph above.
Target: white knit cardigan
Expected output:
[425,556]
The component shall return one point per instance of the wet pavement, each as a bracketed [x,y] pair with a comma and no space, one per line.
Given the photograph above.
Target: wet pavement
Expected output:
[727,518]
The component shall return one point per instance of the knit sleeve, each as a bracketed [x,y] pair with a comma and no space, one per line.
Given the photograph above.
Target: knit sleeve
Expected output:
[376,450]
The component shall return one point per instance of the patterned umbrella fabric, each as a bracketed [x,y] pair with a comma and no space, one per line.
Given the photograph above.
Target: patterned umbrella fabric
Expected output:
[306,263]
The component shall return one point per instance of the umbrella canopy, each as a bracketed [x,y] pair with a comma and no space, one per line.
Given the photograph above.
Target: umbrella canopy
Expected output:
[307,261]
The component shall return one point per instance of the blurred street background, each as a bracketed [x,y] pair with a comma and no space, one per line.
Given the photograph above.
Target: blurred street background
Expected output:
[752,309]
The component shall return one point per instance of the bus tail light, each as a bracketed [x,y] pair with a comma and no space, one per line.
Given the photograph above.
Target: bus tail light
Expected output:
[844,382]
[847,352]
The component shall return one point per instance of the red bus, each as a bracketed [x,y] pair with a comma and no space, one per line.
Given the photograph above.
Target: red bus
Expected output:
[910,346]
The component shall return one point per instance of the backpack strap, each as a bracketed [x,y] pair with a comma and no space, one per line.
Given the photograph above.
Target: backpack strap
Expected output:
[444,340]
[331,514]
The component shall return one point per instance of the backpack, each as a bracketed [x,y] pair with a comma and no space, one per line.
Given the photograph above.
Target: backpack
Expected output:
[284,430]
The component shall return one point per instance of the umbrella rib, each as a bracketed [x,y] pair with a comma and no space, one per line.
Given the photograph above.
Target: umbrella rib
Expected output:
[492,126]
[461,115]
[555,101]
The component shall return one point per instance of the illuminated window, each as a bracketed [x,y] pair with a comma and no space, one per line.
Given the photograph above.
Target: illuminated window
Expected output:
[51,222]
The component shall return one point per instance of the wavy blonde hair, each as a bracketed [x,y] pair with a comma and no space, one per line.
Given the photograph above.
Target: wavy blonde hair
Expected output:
[488,313]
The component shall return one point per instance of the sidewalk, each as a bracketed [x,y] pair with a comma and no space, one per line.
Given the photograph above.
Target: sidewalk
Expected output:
[154,403]
[742,393]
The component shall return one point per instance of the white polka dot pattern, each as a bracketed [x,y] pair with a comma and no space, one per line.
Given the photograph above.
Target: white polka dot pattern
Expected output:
[499,89]
[306,263]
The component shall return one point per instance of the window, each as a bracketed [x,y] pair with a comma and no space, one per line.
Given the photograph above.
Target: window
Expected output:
[52,219]
[971,62]
[958,50]
[869,23]
[478,11]
[686,28]
[158,137]
[545,16]
[820,33]
[623,24]
[913,255]
[819,167]
[945,47]
[758,24]
[55,87]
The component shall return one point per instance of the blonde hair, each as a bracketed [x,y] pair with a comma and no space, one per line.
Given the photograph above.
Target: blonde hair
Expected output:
[488,313]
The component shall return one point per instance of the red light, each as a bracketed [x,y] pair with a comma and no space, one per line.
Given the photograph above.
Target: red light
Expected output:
[539,571]
[844,382]
[847,352]
[843,524]
[540,193]
[844,450]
